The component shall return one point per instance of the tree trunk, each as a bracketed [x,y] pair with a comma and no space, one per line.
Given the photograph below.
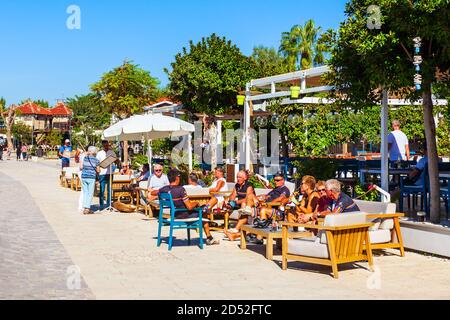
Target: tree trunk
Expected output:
[9,122]
[433,170]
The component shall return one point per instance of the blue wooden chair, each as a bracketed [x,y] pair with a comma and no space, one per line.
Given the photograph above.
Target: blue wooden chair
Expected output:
[166,202]
[445,195]
[415,190]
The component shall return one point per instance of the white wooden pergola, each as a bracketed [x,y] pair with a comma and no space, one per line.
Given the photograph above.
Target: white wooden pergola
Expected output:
[311,78]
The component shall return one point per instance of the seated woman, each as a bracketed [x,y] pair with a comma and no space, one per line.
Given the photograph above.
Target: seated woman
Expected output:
[219,185]
[126,171]
[145,173]
[242,198]
[309,204]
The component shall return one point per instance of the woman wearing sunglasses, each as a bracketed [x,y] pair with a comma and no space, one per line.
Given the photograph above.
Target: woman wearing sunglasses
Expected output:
[309,204]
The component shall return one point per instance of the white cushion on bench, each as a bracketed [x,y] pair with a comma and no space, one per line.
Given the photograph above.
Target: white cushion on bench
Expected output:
[308,247]
[380,236]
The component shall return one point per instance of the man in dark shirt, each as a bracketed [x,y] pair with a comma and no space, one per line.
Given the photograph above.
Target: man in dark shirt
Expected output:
[181,201]
[342,203]
[280,195]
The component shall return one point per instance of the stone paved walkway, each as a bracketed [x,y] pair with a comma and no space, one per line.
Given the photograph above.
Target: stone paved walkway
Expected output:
[119,259]
[33,262]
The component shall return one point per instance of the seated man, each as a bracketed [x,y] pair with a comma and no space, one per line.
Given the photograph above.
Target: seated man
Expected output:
[157,181]
[242,198]
[193,182]
[280,194]
[310,201]
[181,201]
[342,203]
[414,177]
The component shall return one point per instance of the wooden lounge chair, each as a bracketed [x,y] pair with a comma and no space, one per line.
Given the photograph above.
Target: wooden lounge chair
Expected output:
[340,240]
[386,232]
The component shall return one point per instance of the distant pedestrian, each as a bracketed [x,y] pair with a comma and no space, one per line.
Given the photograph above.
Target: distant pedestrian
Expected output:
[24,150]
[18,152]
[65,153]
[398,144]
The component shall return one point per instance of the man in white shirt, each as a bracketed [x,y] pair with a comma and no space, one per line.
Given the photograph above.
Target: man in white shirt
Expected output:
[105,175]
[398,144]
[157,181]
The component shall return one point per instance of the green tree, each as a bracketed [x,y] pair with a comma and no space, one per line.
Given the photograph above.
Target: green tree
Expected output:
[125,91]
[268,62]
[39,102]
[206,76]
[365,60]
[22,133]
[8,116]
[302,46]
[88,118]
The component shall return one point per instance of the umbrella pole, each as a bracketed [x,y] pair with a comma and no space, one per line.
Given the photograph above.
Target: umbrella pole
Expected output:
[190,152]
[150,155]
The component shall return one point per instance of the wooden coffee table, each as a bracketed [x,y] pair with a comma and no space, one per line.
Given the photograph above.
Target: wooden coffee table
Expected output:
[269,236]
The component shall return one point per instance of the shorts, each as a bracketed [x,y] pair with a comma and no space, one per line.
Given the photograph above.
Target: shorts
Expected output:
[187,215]
[65,164]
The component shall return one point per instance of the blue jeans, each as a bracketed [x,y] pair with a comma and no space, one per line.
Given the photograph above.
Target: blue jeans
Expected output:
[88,186]
[104,185]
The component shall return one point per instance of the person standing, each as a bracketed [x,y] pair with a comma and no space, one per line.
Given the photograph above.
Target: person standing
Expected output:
[398,144]
[65,153]
[89,169]
[105,175]
[18,152]
[24,150]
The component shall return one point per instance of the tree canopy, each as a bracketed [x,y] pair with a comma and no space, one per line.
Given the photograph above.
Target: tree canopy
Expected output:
[126,89]
[207,76]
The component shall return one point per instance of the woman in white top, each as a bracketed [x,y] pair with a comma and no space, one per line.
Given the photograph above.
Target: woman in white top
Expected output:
[219,185]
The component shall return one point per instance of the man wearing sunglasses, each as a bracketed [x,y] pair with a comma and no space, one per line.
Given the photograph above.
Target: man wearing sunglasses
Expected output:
[342,203]
[280,195]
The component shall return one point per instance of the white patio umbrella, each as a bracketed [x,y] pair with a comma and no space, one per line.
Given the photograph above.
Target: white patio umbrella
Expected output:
[150,127]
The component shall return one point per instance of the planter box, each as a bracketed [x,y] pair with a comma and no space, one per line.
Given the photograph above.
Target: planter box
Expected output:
[426,237]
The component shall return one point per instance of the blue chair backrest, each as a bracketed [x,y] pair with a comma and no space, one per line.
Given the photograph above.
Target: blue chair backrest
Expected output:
[166,202]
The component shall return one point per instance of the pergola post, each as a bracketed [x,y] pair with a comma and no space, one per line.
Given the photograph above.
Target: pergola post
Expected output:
[384,145]
[247,127]
[189,141]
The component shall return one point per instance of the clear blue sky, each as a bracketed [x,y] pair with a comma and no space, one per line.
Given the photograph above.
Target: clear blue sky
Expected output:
[41,58]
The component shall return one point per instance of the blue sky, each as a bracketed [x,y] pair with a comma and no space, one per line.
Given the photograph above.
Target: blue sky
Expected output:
[42,59]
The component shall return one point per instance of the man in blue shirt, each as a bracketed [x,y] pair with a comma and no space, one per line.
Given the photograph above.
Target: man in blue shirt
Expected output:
[64,154]
[342,203]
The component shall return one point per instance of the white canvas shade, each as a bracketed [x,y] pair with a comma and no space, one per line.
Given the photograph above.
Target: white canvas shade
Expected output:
[149,127]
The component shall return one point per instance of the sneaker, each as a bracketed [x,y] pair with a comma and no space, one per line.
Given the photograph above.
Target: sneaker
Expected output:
[258,241]
[233,230]
[212,241]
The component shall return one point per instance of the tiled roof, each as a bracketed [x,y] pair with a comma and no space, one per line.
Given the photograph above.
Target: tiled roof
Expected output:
[61,110]
[30,108]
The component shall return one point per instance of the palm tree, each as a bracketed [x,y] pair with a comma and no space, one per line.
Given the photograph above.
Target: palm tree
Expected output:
[302,46]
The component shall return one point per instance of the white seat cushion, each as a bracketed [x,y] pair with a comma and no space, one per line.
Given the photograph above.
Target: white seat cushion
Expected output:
[380,236]
[387,224]
[308,247]
[375,207]
[118,178]
[345,219]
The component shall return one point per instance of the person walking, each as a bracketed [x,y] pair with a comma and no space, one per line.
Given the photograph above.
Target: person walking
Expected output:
[24,150]
[89,171]
[398,144]
[18,152]
[65,154]
[105,175]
